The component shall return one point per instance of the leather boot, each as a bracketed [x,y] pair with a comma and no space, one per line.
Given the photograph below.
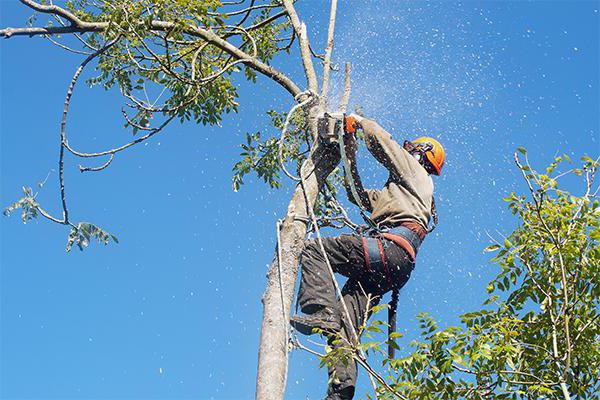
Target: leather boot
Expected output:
[324,319]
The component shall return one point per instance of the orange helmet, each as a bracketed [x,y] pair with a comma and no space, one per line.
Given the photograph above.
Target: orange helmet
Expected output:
[436,154]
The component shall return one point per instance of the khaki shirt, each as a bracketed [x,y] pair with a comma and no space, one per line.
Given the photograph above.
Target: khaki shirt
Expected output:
[408,192]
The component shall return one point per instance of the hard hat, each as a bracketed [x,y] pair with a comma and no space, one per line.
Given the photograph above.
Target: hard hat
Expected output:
[435,154]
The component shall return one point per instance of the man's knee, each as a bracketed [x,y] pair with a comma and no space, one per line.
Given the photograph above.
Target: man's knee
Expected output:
[311,244]
[311,248]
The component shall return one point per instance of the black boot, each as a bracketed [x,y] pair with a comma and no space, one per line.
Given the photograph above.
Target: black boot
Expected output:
[323,319]
[335,393]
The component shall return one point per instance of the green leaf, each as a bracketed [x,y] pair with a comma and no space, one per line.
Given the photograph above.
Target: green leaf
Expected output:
[491,248]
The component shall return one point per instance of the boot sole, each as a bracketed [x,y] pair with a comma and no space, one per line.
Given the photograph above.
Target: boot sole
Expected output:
[308,330]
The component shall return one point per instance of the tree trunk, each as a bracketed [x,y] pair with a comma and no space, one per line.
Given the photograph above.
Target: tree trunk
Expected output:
[277,299]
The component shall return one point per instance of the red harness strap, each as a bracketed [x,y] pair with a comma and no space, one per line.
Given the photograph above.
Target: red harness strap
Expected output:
[366,253]
[385,264]
[402,242]
[376,262]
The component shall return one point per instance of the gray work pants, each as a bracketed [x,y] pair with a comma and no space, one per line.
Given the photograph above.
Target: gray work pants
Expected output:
[347,257]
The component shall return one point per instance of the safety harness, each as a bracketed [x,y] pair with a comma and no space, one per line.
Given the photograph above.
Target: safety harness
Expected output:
[376,239]
[374,247]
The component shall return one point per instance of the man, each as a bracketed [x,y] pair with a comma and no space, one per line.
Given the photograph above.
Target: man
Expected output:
[377,263]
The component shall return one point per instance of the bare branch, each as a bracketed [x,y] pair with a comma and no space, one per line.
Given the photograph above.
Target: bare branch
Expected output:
[123,147]
[63,123]
[587,325]
[67,48]
[347,87]
[246,10]
[78,37]
[300,29]
[100,168]
[55,10]
[50,30]
[328,50]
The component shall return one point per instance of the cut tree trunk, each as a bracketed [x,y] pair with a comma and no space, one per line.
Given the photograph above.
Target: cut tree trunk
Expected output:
[277,299]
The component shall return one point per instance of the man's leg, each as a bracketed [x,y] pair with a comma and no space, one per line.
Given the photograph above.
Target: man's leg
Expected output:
[316,287]
[360,295]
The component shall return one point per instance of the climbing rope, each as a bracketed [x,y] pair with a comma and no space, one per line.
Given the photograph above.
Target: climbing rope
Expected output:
[324,252]
[360,358]
[282,294]
[393,303]
[350,178]
[313,219]
[309,97]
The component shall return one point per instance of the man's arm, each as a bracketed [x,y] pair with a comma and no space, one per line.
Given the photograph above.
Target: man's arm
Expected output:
[351,147]
[385,149]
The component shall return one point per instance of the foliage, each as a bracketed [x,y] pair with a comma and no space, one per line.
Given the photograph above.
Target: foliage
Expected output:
[169,60]
[538,333]
[80,234]
[194,77]
[260,155]
[27,204]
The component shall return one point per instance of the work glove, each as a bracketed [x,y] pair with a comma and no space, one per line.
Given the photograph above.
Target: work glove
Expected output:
[350,124]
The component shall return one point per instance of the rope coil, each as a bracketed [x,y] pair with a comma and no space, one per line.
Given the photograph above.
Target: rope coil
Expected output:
[310,96]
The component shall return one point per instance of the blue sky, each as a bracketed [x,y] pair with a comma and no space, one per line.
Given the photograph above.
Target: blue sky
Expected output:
[173,311]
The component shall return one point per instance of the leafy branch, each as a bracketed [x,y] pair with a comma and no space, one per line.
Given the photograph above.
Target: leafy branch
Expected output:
[537,335]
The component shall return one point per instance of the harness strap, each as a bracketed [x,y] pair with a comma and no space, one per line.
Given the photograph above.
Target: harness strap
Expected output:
[434,215]
[375,257]
[366,254]
[405,238]
[388,278]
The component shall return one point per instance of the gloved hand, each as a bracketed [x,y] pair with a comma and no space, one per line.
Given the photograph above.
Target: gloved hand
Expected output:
[351,123]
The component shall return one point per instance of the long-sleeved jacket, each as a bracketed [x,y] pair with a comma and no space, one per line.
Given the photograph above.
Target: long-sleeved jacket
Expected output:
[408,192]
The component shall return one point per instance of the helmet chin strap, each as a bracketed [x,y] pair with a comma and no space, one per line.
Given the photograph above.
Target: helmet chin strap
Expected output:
[418,151]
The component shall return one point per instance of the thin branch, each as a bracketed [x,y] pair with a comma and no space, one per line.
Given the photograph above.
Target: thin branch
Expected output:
[328,50]
[46,215]
[379,378]
[78,37]
[587,325]
[296,343]
[246,10]
[123,147]
[266,21]
[63,123]
[347,87]
[67,48]
[55,10]
[300,29]
[100,168]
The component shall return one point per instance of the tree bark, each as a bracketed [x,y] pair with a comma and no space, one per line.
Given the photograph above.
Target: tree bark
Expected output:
[277,300]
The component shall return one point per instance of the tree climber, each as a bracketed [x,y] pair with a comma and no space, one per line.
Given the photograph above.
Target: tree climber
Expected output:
[380,261]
